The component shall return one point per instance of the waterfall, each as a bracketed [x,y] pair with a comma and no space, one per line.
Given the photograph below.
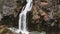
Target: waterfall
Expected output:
[22,17]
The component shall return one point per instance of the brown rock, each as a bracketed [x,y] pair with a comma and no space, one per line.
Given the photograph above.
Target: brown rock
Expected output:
[35,17]
[44,4]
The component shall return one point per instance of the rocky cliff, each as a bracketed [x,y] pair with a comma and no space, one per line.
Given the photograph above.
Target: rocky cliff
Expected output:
[45,14]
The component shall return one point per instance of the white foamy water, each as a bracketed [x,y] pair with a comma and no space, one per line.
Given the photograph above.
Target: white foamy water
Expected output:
[22,19]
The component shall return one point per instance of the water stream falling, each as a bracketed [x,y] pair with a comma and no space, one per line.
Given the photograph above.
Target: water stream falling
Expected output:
[22,19]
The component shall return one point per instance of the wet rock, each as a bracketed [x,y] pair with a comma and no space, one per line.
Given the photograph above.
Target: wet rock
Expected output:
[4,30]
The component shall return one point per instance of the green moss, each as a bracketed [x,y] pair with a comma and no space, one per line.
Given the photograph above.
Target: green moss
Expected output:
[5,31]
[58,14]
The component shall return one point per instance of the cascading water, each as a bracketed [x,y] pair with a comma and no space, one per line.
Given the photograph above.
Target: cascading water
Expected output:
[22,17]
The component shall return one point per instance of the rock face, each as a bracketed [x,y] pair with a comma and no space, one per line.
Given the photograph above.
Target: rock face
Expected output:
[8,7]
[11,7]
[10,11]
[44,15]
